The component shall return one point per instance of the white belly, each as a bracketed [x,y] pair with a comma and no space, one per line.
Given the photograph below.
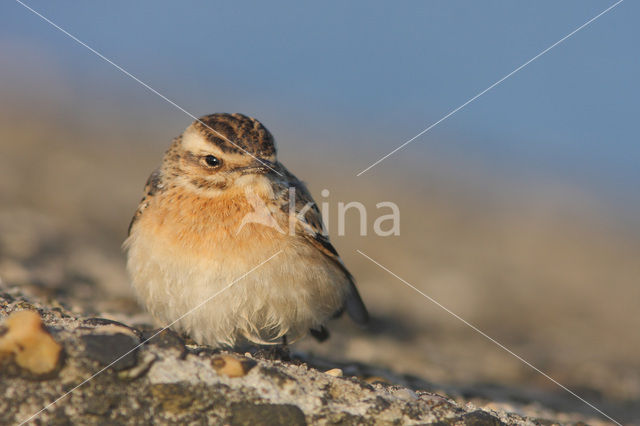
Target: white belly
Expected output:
[217,297]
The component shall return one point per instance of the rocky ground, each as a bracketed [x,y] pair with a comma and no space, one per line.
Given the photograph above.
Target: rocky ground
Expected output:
[553,278]
[71,282]
[110,373]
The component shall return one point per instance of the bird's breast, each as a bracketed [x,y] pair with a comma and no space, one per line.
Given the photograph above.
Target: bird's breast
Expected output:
[197,226]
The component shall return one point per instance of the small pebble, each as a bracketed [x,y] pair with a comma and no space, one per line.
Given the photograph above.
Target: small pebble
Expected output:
[335,372]
[377,379]
[232,366]
[31,344]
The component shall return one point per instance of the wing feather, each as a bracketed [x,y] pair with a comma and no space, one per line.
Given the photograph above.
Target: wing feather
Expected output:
[313,231]
[150,188]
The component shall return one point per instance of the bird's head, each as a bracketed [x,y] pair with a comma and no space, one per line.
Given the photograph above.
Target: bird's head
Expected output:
[219,152]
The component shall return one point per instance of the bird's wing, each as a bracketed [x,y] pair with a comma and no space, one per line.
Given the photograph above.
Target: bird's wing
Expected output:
[150,188]
[309,224]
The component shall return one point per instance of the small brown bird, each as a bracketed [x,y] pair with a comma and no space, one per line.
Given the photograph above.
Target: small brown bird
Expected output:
[218,206]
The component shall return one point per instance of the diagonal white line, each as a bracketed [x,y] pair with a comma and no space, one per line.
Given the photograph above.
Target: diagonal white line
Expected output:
[492,340]
[450,113]
[161,330]
[151,89]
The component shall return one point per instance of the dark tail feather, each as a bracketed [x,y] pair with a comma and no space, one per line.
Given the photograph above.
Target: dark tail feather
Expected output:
[320,335]
[355,306]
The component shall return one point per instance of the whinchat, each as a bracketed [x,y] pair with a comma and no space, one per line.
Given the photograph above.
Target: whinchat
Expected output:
[198,229]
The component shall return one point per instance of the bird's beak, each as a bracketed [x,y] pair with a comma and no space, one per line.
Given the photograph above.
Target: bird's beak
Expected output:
[257,167]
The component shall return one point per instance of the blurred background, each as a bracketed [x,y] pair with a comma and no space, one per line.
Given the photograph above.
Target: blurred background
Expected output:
[519,213]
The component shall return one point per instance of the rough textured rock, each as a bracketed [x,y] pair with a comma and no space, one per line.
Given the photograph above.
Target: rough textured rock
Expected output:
[114,374]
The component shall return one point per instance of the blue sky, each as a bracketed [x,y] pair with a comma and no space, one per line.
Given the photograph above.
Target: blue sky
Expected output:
[366,76]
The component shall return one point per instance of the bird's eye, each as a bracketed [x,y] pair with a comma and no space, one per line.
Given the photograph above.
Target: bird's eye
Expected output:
[212,161]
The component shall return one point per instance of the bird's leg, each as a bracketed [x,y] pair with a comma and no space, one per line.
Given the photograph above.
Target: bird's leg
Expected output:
[279,351]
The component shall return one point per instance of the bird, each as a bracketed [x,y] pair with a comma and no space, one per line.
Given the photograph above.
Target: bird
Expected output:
[222,219]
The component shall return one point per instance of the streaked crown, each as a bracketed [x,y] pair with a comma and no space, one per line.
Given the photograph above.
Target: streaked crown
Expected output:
[237,134]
